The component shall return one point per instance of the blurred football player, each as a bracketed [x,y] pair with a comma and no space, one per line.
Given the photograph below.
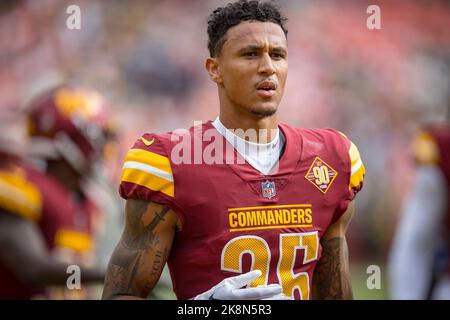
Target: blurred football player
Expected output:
[46,220]
[419,264]
[270,223]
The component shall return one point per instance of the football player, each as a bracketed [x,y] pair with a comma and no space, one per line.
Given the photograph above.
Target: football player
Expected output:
[419,261]
[46,221]
[264,221]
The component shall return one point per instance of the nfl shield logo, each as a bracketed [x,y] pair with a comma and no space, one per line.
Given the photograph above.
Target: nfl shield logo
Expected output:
[268,189]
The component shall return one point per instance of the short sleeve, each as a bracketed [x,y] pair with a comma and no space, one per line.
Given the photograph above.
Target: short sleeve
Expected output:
[357,169]
[357,172]
[147,172]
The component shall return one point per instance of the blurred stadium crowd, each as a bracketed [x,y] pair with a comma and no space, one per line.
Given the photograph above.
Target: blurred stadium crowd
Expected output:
[147,58]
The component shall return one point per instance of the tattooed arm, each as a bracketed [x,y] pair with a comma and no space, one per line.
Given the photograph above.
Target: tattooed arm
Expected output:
[139,257]
[331,278]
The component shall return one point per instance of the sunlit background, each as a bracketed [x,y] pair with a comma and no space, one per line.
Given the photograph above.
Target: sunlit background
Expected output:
[147,57]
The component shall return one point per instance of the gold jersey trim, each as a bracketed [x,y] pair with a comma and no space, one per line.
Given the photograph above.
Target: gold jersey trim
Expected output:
[150,170]
[19,196]
[358,170]
[75,240]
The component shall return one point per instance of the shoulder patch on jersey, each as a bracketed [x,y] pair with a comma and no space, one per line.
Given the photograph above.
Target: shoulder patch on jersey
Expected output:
[321,175]
[19,196]
[150,170]
[425,149]
[357,167]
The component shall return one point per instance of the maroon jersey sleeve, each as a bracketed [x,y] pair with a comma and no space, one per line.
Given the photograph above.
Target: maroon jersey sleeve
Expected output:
[357,170]
[147,172]
[353,167]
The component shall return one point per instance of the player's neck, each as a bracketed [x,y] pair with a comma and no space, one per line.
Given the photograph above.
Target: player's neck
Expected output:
[266,128]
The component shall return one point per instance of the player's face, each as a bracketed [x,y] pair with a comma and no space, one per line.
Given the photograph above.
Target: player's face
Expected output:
[253,67]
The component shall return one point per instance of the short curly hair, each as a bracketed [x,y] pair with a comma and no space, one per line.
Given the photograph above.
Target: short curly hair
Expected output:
[224,18]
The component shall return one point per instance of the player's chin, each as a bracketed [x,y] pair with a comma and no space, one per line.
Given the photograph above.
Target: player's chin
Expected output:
[264,110]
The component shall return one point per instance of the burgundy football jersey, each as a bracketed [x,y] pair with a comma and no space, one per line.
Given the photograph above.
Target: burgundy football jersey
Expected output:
[64,223]
[234,218]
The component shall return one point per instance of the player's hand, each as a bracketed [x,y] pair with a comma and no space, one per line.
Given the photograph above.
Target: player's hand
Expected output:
[232,289]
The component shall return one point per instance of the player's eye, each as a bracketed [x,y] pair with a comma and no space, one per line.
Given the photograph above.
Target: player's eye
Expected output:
[251,54]
[277,55]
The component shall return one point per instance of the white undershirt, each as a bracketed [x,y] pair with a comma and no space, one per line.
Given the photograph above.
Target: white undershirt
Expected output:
[261,156]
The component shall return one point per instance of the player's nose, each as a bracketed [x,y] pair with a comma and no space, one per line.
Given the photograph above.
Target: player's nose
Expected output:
[266,65]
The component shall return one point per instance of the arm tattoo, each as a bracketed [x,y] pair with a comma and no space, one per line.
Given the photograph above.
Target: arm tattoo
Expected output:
[128,272]
[139,235]
[331,278]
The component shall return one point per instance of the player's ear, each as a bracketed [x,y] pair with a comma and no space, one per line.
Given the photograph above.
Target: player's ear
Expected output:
[212,66]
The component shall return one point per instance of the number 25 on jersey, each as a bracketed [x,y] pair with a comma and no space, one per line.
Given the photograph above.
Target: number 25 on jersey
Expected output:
[259,250]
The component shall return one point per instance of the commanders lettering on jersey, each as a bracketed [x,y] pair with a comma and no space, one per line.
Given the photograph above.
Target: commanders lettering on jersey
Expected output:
[270,217]
[19,196]
[150,170]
